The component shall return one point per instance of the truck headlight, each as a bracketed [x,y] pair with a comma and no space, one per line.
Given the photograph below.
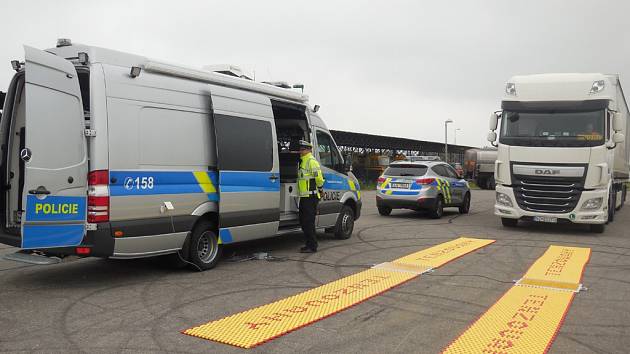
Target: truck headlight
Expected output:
[504,199]
[593,203]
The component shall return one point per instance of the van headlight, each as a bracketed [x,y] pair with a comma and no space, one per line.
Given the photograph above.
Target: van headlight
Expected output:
[504,199]
[593,203]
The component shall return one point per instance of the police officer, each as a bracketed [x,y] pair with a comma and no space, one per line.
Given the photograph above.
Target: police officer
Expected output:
[310,189]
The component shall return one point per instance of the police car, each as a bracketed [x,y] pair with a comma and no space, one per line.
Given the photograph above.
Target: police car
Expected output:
[421,185]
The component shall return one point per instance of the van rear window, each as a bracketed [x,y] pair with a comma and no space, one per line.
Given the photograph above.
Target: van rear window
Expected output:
[406,170]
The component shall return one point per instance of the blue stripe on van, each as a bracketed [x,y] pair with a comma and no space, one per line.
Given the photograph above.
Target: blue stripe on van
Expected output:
[335,182]
[156,182]
[237,181]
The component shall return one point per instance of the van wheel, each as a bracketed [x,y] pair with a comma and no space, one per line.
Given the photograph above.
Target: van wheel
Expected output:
[598,228]
[465,207]
[438,209]
[507,222]
[205,250]
[385,211]
[345,223]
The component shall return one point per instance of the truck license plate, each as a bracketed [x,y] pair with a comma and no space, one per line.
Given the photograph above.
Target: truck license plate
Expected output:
[550,219]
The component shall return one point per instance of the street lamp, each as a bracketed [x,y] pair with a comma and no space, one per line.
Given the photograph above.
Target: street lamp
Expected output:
[456,129]
[446,139]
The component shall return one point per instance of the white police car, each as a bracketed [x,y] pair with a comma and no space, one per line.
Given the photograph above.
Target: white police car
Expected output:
[421,185]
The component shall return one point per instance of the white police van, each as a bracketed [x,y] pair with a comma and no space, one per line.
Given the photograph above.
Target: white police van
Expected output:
[110,154]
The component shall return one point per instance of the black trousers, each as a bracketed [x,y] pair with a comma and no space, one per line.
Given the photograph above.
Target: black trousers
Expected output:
[308,210]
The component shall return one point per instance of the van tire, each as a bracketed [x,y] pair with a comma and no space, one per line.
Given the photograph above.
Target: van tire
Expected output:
[507,222]
[438,209]
[205,250]
[611,206]
[345,223]
[385,211]
[597,228]
[465,207]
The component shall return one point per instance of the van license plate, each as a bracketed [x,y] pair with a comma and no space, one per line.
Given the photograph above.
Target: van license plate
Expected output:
[399,185]
[550,219]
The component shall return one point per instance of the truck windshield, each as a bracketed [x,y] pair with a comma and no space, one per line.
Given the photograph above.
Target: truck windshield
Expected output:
[553,128]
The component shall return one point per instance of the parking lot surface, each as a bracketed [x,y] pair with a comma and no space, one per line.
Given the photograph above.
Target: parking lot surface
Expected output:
[96,305]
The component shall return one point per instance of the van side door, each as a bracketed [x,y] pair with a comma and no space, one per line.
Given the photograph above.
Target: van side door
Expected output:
[55,154]
[249,179]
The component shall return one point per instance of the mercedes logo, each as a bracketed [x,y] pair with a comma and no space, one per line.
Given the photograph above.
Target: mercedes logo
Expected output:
[26,155]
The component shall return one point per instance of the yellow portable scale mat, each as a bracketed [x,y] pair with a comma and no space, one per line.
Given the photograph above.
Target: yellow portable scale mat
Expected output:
[527,317]
[256,326]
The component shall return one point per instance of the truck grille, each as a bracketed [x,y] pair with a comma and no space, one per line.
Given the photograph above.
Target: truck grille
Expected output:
[547,194]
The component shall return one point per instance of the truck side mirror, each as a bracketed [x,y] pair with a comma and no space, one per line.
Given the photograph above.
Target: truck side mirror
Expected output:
[618,138]
[492,137]
[617,122]
[494,121]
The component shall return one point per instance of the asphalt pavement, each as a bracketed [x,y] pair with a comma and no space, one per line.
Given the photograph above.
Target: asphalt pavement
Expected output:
[96,305]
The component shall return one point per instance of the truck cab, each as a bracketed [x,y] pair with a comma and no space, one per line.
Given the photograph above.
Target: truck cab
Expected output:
[562,153]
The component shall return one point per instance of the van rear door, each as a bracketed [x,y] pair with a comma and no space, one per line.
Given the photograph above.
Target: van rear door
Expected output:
[55,154]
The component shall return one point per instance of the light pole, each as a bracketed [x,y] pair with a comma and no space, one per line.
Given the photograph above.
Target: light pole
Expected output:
[446,139]
[456,129]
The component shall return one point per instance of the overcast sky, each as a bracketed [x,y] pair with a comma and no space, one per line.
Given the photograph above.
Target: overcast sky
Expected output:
[395,68]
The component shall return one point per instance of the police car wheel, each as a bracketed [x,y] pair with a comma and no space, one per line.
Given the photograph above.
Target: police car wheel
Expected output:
[465,207]
[385,211]
[205,250]
[345,223]
[438,209]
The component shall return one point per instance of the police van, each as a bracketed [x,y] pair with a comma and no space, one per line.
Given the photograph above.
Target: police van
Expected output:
[110,154]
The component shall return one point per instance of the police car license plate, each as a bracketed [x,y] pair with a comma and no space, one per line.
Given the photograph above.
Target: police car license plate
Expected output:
[550,219]
[399,185]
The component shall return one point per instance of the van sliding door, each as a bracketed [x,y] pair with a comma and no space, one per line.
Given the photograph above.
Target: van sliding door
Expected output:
[55,154]
[249,182]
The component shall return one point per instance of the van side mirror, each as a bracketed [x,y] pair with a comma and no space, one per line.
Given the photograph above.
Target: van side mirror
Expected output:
[494,121]
[347,162]
[617,122]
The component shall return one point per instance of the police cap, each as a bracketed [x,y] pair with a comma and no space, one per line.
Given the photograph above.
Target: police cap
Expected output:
[305,144]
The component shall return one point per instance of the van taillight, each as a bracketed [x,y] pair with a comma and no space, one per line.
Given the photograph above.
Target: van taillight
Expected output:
[98,196]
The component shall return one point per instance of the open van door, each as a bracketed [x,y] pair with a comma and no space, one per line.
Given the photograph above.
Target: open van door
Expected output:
[55,154]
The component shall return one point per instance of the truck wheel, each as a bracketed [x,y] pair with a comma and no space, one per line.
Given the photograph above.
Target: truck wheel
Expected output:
[481,183]
[465,207]
[205,250]
[507,222]
[385,211]
[598,228]
[438,209]
[345,223]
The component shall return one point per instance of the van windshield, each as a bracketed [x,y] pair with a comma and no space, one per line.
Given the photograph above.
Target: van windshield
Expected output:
[406,170]
[553,128]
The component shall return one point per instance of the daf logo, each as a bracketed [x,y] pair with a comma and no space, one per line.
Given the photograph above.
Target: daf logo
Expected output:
[26,155]
[546,171]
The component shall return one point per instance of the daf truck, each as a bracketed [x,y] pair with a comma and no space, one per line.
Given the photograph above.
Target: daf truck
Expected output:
[562,149]
[116,155]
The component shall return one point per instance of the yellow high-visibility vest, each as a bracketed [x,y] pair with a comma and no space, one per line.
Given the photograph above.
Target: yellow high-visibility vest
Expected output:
[310,177]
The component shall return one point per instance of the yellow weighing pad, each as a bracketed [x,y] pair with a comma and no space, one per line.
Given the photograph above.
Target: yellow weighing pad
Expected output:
[256,326]
[527,318]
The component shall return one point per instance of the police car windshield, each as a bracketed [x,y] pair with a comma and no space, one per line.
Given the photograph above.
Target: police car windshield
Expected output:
[406,170]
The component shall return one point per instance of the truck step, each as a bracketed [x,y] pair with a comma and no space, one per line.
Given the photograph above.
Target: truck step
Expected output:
[30,258]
